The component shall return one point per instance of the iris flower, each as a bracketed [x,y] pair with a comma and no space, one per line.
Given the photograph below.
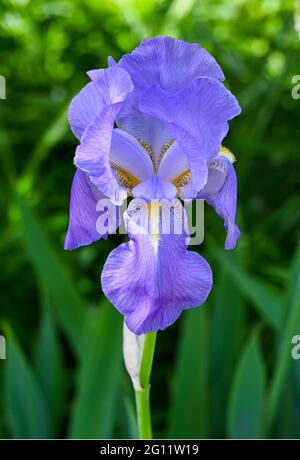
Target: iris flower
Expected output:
[151,127]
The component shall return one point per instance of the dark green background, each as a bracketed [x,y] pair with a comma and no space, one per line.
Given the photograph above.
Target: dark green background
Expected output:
[223,370]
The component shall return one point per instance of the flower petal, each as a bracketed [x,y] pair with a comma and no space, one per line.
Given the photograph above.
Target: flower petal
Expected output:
[111,61]
[221,193]
[169,63]
[83,229]
[152,284]
[174,163]
[108,86]
[127,153]
[151,131]
[84,108]
[92,155]
[197,118]
[155,189]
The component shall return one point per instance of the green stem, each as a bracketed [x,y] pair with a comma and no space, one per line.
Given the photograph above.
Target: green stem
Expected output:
[142,395]
[147,359]
[142,399]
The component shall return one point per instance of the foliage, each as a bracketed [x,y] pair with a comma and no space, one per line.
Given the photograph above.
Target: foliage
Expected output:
[223,370]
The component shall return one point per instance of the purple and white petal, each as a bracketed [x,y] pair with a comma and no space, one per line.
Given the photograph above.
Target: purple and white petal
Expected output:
[174,163]
[108,86]
[150,130]
[169,63]
[127,153]
[153,278]
[155,188]
[84,214]
[197,118]
[92,155]
[84,108]
[221,193]
[111,62]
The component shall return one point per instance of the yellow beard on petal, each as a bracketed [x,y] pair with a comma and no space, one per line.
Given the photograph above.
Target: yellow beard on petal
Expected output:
[124,177]
[154,217]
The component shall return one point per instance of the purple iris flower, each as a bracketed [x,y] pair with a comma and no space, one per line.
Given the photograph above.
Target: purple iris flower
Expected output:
[151,127]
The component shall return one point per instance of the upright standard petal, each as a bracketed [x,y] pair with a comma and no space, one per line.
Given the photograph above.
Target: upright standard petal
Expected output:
[152,132]
[83,227]
[197,118]
[221,193]
[92,155]
[168,63]
[153,278]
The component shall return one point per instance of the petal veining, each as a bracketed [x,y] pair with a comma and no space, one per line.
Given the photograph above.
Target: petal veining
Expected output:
[83,227]
[169,63]
[220,192]
[151,284]
[127,153]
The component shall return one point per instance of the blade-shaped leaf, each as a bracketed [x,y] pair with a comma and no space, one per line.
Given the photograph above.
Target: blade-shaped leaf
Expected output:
[227,334]
[189,415]
[284,363]
[2,406]
[99,375]
[25,406]
[49,368]
[53,276]
[247,393]
[267,300]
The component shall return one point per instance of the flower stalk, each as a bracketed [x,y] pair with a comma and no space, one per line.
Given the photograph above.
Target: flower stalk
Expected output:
[142,394]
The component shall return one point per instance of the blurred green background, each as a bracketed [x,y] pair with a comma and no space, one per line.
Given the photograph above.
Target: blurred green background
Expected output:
[224,370]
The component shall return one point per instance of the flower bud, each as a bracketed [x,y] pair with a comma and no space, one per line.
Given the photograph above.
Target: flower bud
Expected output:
[133,347]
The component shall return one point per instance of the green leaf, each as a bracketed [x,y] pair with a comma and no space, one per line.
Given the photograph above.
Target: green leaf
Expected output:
[247,393]
[69,308]
[284,363]
[227,335]
[131,418]
[189,414]
[25,406]
[50,370]
[53,134]
[99,375]
[265,298]
[2,405]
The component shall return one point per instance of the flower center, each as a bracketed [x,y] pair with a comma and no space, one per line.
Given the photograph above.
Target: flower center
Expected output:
[129,181]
